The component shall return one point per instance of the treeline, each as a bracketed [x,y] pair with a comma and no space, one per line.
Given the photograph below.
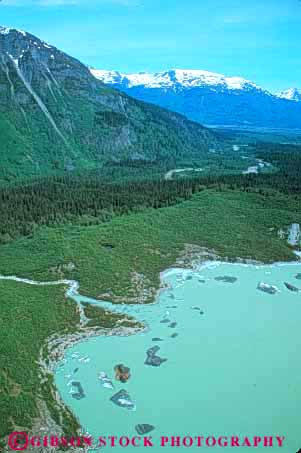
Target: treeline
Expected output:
[66,199]
[287,158]
[85,199]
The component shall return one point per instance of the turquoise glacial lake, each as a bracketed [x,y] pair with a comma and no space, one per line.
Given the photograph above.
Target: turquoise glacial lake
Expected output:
[234,368]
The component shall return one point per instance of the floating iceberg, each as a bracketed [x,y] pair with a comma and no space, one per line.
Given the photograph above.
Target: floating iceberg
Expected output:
[226,279]
[165,320]
[79,393]
[123,399]
[105,380]
[266,288]
[84,359]
[144,428]
[153,359]
[291,287]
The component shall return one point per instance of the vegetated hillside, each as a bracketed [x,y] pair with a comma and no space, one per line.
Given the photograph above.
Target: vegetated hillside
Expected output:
[55,116]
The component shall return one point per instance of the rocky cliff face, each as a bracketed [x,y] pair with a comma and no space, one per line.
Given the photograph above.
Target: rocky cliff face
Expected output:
[208,98]
[55,116]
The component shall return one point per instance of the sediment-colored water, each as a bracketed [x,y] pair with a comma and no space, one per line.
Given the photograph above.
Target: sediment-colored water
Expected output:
[234,368]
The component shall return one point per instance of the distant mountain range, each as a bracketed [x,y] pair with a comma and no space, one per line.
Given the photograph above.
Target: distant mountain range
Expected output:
[210,98]
[55,116]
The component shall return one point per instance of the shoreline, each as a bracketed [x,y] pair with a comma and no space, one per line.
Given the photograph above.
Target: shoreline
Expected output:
[52,353]
[51,357]
[214,264]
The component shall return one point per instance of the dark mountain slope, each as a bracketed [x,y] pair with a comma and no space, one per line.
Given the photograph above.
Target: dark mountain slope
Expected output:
[55,116]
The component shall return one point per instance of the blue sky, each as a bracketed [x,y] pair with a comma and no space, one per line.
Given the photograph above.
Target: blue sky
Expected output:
[256,39]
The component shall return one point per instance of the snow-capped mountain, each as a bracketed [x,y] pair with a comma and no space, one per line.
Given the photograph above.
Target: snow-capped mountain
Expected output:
[292,94]
[207,97]
[177,78]
[7,30]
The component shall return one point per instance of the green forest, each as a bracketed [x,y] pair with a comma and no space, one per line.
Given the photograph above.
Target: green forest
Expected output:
[86,199]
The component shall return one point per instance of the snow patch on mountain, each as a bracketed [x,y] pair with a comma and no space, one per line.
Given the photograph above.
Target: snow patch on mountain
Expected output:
[7,30]
[35,41]
[292,94]
[174,78]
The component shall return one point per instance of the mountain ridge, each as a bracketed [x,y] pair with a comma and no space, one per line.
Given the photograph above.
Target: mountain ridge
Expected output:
[208,98]
[55,116]
[174,77]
